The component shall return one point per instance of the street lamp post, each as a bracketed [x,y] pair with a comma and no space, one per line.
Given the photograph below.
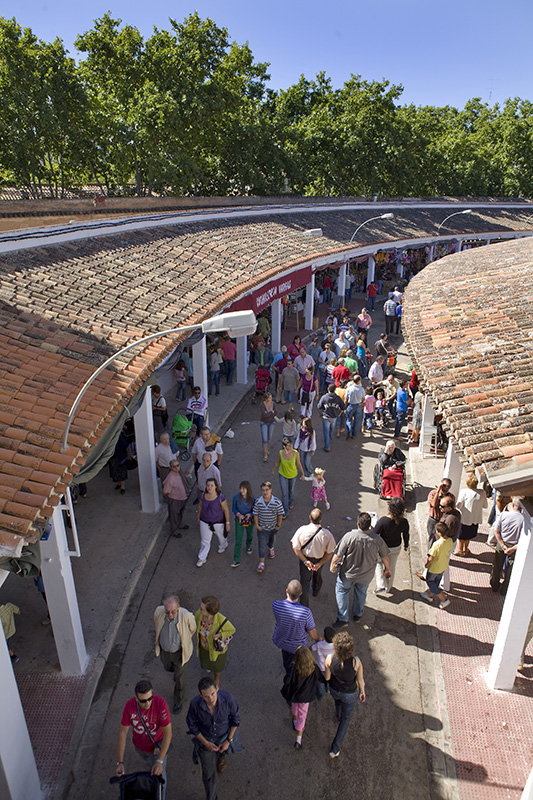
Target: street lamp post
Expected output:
[310,232]
[237,323]
[455,213]
[389,215]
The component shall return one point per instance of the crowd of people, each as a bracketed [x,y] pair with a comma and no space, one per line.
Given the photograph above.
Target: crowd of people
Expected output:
[327,378]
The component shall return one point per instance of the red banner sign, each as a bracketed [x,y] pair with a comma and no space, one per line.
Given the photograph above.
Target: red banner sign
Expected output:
[274,290]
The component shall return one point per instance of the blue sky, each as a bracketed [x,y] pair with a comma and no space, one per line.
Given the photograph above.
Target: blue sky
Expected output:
[442,53]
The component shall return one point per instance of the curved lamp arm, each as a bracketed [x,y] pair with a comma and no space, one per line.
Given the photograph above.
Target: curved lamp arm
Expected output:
[389,215]
[237,323]
[466,211]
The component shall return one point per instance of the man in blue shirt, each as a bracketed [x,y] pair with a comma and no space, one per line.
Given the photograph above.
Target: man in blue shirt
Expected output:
[213,719]
[402,404]
[293,623]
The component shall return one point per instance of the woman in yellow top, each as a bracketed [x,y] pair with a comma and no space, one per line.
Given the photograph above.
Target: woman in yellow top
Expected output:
[437,564]
[213,631]
[288,463]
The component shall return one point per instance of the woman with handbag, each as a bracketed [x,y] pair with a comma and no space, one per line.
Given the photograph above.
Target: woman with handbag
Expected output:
[213,518]
[300,688]
[214,632]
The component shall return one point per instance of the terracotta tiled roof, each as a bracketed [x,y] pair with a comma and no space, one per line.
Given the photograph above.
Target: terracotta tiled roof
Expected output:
[64,309]
[468,324]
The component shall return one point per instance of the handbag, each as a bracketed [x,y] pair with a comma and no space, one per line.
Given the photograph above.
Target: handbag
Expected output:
[157,745]
[221,644]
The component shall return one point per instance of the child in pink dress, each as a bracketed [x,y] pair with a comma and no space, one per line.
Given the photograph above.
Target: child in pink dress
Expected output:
[369,405]
[318,489]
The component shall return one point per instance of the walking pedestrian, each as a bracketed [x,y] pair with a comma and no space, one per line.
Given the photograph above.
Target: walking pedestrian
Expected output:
[354,399]
[213,719]
[314,546]
[214,632]
[330,406]
[393,529]
[306,444]
[175,628]
[269,413]
[268,515]
[175,493]
[288,464]
[243,507]
[436,565]
[294,622]
[300,688]
[318,489]
[213,518]
[344,672]
[148,716]
[470,502]
[354,563]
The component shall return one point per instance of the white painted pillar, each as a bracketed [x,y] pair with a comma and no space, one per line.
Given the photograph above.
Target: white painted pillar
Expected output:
[61,598]
[453,468]
[516,614]
[199,365]
[309,303]
[242,357]
[276,325]
[145,441]
[18,772]
[431,253]
[371,273]
[459,246]
[428,415]
[488,242]
[527,794]
[341,282]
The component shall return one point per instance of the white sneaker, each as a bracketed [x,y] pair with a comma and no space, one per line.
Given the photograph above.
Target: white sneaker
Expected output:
[426,596]
[328,506]
[444,603]
[380,591]
[223,549]
[334,755]
[201,562]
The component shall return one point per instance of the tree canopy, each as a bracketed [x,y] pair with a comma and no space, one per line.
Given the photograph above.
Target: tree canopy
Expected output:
[187,111]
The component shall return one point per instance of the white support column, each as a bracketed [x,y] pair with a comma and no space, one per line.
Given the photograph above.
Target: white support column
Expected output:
[371,273]
[459,246]
[62,600]
[18,772]
[431,253]
[341,283]
[276,325]
[428,415]
[309,303]
[242,358]
[145,441]
[527,794]
[488,242]
[199,365]
[516,614]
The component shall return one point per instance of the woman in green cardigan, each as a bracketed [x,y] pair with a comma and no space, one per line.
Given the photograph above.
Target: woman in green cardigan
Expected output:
[211,626]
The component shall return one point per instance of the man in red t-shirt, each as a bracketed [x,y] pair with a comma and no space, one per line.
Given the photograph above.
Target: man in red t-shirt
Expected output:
[327,287]
[229,352]
[340,373]
[371,292]
[149,717]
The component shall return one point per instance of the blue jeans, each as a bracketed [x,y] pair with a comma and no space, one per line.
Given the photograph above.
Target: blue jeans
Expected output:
[267,429]
[369,418]
[341,421]
[230,369]
[287,492]
[265,540]
[150,759]
[322,378]
[433,580]
[328,428]
[289,395]
[371,303]
[342,596]
[214,378]
[362,366]
[344,706]
[401,417]
[305,459]
[354,415]
[181,390]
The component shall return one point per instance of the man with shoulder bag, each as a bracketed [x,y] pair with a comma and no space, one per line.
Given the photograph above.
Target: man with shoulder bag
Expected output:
[314,546]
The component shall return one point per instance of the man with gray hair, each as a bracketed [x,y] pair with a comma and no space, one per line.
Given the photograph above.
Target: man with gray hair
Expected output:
[507,529]
[174,631]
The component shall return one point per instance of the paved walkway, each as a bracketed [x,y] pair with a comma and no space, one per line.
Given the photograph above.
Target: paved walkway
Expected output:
[428,702]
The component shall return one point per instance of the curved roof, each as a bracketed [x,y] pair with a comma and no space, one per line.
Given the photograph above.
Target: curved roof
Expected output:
[65,308]
[468,324]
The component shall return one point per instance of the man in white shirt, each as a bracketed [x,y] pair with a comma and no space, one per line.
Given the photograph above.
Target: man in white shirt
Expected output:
[314,546]
[353,397]
[376,371]
[303,361]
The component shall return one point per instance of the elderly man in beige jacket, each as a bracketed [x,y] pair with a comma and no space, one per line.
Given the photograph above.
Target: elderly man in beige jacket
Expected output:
[174,631]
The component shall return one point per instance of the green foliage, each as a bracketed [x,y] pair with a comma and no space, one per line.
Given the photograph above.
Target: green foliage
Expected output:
[188,111]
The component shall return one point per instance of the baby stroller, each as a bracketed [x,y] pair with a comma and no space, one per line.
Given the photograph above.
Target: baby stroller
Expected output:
[262,381]
[140,786]
[181,433]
